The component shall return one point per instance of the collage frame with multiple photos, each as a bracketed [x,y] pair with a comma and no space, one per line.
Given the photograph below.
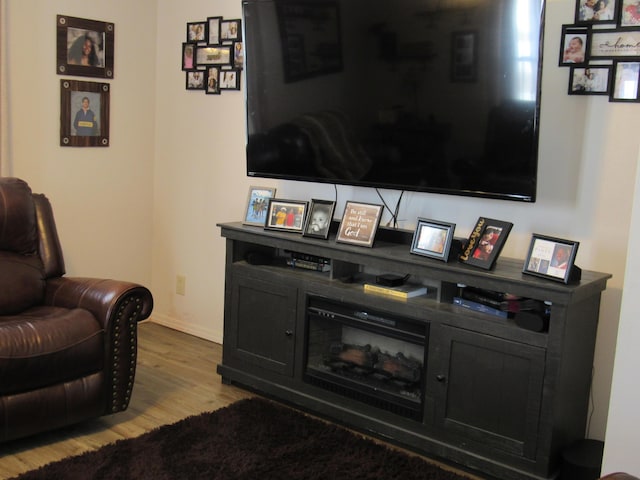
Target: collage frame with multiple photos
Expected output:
[213,55]
[602,49]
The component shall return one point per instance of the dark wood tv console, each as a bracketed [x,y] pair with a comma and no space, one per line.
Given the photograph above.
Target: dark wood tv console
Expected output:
[494,397]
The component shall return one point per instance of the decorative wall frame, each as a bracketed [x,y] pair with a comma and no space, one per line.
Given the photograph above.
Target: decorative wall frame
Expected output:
[220,55]
[596,12]
[84,47]
[257,205]
[552,258]
[231,30]
[574,45]
[626,82]
[629,14]
[615,44]
[84,114]
[464,59]
[213,30]
[197,31]
[213,81]
[359,223]
[590,80]
[319,218]
[287,215]
[485,243]
[433,239]
[195,79]
[229,79]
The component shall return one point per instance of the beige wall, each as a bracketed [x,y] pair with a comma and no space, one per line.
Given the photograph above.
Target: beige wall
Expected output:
[146,208]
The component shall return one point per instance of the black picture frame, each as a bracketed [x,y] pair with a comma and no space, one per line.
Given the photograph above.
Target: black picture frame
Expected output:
[552,258]
[255,212]
[464,56]
[195,79]
[89,128]
[230,79]
[590,80]
[359,223]
[319,218]
[213,30]
[625,83]
[72,35]
[575,44]
[432,238]
[596,12]
[629,15]
[197,32]
[230,30]
[217,55]
[615,43]
[485,243]
[286,215]
[212,81]
[188,56]
[238,55]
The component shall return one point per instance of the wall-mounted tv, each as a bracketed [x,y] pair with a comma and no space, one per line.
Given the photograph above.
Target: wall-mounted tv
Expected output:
[425,95]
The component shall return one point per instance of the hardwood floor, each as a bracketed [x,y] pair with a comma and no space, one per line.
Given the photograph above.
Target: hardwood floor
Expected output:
[176,377]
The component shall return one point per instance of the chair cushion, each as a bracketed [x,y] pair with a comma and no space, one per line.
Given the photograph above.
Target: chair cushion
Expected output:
[18,225]
[48,345]
[21,282]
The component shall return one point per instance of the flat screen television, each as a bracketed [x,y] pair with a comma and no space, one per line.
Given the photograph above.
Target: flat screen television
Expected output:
[424,95]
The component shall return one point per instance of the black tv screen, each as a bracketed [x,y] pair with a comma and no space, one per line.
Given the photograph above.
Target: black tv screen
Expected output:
[425,95]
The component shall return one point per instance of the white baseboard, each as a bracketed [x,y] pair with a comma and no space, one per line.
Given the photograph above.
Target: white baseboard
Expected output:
[181,326]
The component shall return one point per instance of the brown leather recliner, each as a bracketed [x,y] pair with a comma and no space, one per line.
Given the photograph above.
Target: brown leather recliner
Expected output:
[67,345]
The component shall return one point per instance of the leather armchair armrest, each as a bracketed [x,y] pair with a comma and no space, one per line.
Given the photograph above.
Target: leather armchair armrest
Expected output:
[100,296]
[118,306]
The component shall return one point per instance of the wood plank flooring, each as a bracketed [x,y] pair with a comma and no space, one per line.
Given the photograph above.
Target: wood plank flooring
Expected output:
[176,377]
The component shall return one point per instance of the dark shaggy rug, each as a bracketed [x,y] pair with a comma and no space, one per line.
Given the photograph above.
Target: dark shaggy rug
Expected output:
[252,439]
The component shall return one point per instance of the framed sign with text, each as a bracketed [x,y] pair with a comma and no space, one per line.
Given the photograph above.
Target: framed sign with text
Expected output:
[359,223]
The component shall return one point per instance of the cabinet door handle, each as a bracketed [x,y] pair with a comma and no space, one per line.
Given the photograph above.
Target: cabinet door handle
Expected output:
[441,378]
[288,333]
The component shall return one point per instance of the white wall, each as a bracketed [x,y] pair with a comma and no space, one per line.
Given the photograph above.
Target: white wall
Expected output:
[146,207]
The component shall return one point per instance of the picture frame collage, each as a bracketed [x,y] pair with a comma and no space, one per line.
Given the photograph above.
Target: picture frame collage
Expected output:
[548,257]
[84,48]
[602,49]
[213,55]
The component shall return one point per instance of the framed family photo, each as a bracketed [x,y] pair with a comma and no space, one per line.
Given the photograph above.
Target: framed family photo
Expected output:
[257,204]
[319,218]
[552,258]
[596,11]
[359,223]
[591,80]
[485,243]
[84,114]
[84,47]
[433,239]
[286,215]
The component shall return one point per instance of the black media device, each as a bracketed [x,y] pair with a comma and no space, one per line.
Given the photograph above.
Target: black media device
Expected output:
[390,280]
[400,94]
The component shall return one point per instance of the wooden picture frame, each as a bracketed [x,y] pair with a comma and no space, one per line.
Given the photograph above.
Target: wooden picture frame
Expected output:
[286,215]
[590,80]
[596,12]
[84,114]
[84,47]
[575,45]
[319,218]
[257,205]
[625,82]
[359,223]
[552,258]
[485,243]
[432,239]
[615,43]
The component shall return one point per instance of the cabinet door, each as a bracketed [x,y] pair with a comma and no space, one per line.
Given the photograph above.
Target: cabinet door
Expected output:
[487,390]
[259,324]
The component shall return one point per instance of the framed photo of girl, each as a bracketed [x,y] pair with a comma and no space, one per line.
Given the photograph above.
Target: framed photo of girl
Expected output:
[485,243]
[319,219]
[552,258]
[433,239]
[84,114]
[84,47]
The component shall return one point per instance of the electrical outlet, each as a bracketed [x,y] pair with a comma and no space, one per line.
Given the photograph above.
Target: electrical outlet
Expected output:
[181,282]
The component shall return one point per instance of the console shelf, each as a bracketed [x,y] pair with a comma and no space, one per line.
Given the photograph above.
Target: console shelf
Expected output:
[494,397]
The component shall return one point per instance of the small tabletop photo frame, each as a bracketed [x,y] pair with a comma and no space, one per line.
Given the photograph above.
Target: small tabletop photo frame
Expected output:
[552,258]
[319,218]
[359,223]
[485,243]
[433,239]
[257,204]
[286,215]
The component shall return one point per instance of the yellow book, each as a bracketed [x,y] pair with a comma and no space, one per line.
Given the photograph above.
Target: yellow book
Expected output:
[405,291]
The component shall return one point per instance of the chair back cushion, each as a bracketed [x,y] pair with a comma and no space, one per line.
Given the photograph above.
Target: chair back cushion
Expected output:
[21,276]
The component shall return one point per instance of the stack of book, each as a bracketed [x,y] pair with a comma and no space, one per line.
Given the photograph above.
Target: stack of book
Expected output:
[499,304]
[308,262]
